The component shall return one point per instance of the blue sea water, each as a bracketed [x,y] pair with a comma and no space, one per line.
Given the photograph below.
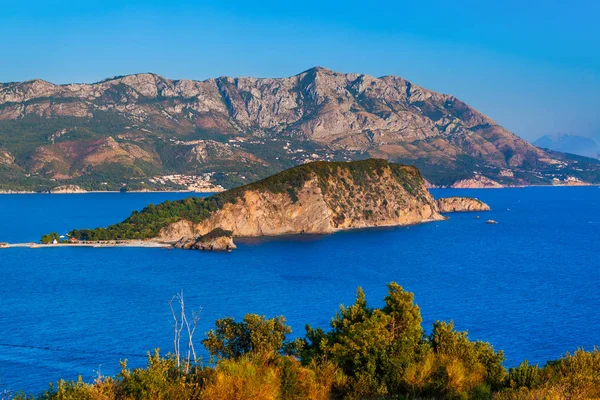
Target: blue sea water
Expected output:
[528,285]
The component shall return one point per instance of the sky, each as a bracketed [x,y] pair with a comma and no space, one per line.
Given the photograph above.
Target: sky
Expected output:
[532,66]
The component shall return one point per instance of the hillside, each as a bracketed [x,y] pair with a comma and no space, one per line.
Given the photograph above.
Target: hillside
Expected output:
[318,197]
[134,130]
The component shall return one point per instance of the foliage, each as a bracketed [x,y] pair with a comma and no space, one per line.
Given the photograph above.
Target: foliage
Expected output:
[49,238]
[255,335]
[524,375]
[148,222]
[575,376]
[384,351]
[378,353]
[214,234]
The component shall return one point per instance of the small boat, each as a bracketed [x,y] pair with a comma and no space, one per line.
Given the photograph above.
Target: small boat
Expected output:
[491,222]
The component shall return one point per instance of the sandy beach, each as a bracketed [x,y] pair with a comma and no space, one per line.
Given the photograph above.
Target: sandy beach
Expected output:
[126,243]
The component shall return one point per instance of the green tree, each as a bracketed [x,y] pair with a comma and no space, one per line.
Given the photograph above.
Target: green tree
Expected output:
[255,335]
[524,375]
[372,346]
[49,238]
[408,344]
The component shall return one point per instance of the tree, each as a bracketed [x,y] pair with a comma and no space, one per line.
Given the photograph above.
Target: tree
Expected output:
[255,335]
[471,363]
[49,238]
[180,322]
[372,346]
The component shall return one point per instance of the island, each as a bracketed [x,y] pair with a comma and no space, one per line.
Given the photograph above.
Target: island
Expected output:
[314,198]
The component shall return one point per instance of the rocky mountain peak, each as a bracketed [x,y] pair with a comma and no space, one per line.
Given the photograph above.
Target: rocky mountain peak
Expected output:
[327,115]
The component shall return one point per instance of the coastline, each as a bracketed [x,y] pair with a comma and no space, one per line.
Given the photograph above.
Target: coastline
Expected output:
[514,186]
[212,192]
[123,243]
[108,192]
[153,243]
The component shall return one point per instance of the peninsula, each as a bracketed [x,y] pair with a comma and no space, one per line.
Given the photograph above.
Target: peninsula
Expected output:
[314,198]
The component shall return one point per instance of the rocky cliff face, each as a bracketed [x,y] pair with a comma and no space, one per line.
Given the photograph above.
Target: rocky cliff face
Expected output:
[477,182]
[67,189]
[460,204]
[215,240]
[6,158]
[258,126]
[331,196]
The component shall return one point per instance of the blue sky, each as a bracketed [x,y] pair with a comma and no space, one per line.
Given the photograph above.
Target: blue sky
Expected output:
[533,66]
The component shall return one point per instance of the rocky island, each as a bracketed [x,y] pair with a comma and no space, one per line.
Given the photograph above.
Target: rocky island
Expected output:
[459,204]
[314,198]
[217,239]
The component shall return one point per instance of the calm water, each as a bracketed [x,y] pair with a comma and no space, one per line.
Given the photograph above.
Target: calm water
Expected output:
[528,285]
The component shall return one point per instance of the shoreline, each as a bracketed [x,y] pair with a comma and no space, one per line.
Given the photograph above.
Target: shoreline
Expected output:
[109,192]
[213,192]
[132,243]
[152,243]
[515,186]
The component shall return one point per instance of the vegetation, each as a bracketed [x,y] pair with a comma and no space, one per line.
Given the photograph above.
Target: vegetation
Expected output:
[147,223]
[369,353]
[49,238]
[215,234]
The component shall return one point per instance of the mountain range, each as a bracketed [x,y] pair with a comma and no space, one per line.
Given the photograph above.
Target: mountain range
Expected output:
[144,131]
[568,143]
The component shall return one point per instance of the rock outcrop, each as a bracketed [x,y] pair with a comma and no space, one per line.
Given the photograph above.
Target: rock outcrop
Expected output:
[67,189]
[460,204]
[6,158]
[477,182]
[217,240]
[569,181]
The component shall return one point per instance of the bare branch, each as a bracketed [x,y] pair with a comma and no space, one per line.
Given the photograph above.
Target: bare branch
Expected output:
[190,326]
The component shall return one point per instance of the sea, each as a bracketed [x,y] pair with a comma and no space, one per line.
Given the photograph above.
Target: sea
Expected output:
[529,285]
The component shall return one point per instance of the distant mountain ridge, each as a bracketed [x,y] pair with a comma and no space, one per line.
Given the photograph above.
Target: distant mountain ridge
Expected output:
[566,143]
[124,130]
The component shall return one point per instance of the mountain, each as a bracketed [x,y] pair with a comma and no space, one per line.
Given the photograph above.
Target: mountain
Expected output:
[581,145]
[135,130]
[317,197]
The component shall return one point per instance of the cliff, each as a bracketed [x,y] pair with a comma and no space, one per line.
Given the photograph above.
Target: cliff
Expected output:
[67,189]
[319,197]
[459,204]
[217,240]
[477,182]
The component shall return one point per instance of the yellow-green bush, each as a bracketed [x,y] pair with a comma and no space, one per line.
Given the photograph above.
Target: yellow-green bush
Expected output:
[575,376]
